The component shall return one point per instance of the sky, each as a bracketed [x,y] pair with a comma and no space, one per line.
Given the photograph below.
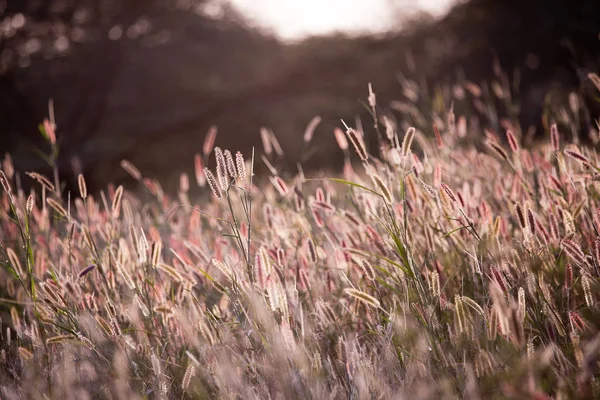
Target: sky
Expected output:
[295,19]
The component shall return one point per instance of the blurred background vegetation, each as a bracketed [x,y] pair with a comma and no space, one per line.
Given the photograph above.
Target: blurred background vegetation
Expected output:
[146,79]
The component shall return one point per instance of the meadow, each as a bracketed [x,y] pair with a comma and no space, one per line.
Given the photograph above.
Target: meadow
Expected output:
[449,261]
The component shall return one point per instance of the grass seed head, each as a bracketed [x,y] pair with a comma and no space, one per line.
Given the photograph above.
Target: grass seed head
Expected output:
[230,165]
[383,189]
[222,174]
[212,183]
[265,137]
[82,186]
[358,144]
[131,170]
[240,165]
[407,141]
[209,140]
[86,270]
[577,156]
[199,170]
[372,98]
[512,141]
[310,129]
[363,297]
[340,138]
[554,138]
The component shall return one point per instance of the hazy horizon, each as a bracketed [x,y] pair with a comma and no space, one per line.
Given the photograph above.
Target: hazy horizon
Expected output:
[293,20]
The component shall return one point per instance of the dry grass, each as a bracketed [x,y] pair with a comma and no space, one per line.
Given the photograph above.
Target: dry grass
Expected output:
[441,269]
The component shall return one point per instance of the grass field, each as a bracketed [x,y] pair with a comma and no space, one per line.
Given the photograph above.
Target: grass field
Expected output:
[453,265]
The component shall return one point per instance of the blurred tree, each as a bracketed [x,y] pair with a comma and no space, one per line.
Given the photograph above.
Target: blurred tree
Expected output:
[112,62]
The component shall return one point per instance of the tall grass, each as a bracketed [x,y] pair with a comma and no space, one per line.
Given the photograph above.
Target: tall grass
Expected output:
[460,265]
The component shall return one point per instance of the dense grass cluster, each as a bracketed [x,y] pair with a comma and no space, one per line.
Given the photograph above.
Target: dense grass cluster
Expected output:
[456,266]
